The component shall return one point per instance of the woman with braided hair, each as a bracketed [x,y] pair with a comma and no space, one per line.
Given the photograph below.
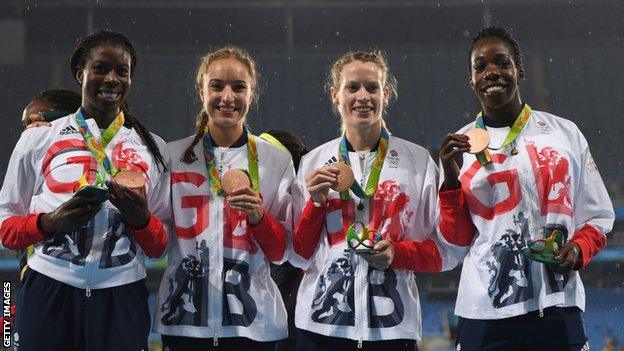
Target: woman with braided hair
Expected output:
[231,206]
[85,286]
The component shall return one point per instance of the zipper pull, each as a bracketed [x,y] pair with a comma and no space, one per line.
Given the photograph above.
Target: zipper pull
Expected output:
[88,291]
[215,340]
[541,313]
[360,344]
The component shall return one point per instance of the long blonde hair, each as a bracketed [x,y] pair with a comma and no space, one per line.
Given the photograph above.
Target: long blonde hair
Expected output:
[376,57]
[223,53]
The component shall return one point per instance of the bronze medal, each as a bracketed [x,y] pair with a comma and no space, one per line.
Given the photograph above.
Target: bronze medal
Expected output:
[131,179]
[479,140]
[233,180]
[344,177]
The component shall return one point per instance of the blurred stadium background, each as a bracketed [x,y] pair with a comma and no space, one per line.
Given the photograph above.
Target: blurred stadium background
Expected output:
[573,55]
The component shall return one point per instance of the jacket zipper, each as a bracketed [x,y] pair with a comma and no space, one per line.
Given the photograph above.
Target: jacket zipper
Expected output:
[360,302]
[94,243]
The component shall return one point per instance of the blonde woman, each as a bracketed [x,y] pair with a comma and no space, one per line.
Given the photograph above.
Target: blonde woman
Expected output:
[361,292]
[217,292]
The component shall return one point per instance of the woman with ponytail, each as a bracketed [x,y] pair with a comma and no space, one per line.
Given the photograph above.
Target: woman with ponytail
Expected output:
[85,286]
[231,210]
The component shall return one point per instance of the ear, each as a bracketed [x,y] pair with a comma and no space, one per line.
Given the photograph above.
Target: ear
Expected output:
[200,92]
[79,76]
[386,91]
[334,96]
[470,81]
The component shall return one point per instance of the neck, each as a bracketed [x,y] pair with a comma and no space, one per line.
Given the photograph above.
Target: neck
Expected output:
[225,136]
[505,115]
[363,139]
[102,118]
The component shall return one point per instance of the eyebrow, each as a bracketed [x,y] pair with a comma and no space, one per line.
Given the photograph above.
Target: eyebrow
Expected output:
[107,62]
[362,81]
[223,81]
[496,56]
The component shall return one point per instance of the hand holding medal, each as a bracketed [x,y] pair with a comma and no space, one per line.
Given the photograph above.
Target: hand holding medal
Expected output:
[133,180]
[129,198]
[451,155]
[377,252]
[320,181]
[344,177]
[553,251]
[237,186]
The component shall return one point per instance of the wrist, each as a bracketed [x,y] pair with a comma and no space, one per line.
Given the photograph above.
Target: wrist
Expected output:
[317,204]
[255,218]
[141,224]
[43,223]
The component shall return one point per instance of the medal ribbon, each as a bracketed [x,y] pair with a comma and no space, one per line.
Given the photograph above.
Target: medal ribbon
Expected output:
[373,177]
[97,147]
[522,119]
[213,174]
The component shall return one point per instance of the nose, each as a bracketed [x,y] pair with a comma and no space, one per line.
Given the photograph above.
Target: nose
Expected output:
[362,94]
[491,73]
[228,94]
[111,76]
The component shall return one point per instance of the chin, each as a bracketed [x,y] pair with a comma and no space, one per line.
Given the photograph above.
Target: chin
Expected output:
[227,121]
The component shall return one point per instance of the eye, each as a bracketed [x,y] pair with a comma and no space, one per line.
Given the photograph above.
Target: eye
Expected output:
[478,66]
[372,87]
[216,86]
[239,88]
[504,62]
[99,68]
[123,71]
[352,87]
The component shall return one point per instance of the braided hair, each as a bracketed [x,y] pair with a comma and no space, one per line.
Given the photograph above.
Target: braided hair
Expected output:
[504,35]
[78,59]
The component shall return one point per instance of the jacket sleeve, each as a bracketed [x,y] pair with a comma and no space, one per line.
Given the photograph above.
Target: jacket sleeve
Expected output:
[154,238]
[428,255]
[273,231]
[593,210]
[18,227]
[455,228]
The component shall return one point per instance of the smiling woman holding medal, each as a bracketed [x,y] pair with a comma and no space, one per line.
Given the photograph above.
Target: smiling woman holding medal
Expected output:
[365,210]
[523,205]
[85,288]
[232,207]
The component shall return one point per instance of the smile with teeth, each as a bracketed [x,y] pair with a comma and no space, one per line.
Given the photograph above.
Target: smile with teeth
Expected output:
[110,95]
[363,109]
[227,109]
[494,89]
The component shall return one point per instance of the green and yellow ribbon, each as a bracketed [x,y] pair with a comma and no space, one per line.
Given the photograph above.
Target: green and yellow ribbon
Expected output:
[213,174]
[484,156]
[97,146]
[373,177]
